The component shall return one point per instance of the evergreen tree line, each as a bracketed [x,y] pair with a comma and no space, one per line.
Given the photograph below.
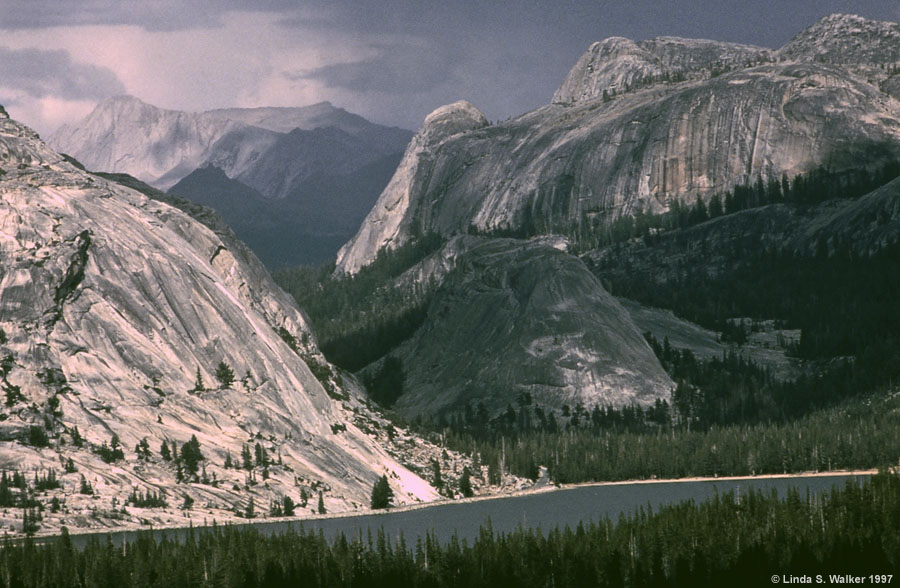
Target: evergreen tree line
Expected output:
[814,187]
[842,302]
[635,443]
[731,539]
[731,390]
[734,389]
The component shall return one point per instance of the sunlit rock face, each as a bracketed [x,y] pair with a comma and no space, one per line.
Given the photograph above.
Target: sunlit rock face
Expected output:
[390,222]
[112,305]
[637,126]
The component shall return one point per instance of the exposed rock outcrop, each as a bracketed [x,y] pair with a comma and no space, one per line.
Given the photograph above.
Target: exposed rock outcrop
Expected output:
[114,307]
[514,317]
[618,65]
[390,221]
[596,160]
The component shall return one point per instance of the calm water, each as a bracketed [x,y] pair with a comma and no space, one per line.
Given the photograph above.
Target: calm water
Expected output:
[545,511]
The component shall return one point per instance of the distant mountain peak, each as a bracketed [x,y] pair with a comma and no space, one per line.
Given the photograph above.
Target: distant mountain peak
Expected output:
[159,146]
[124,99]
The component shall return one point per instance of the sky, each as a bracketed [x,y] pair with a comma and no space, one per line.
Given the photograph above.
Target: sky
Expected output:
[392,61]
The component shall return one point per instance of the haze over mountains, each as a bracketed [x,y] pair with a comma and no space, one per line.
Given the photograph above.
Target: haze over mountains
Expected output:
[310,173]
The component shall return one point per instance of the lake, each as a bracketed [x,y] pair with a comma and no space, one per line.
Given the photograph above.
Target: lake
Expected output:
[544,510]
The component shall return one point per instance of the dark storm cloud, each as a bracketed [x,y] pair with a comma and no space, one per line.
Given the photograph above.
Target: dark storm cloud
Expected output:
[395,60]
[42,73]
[397,69]
[155,15]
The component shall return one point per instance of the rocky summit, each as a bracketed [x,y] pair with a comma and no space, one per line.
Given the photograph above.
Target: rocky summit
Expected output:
[127,326]
[636,127]
[159,146]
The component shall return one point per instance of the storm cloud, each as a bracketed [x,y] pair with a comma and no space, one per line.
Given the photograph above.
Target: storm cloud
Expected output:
[392,61]
[396,69]
[42,73]
[157,15]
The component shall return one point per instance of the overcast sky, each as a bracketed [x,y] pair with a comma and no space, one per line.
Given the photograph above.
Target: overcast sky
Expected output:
[392,61]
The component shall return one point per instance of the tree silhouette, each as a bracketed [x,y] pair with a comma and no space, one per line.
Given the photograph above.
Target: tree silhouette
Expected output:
[224,374]
[382,495]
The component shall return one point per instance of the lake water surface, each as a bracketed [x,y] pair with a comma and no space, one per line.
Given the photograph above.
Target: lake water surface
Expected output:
[545,510]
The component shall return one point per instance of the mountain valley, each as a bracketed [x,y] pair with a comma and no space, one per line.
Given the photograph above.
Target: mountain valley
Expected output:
[293,183]
[683,265]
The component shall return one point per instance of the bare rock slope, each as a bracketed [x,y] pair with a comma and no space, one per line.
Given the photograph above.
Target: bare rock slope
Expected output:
[514,317]
[112,307]
[637,126]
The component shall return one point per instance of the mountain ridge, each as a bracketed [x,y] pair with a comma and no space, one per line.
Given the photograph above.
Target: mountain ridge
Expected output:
[160,146]
[601,157]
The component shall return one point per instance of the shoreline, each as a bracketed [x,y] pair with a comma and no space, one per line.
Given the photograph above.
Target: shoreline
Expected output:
[445,502]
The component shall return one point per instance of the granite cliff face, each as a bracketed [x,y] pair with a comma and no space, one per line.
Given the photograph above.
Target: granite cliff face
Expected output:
[513,317]
[111,306]
[391,219]
[725,115]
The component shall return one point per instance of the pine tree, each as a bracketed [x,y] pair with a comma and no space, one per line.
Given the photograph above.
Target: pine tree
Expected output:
[262,459]
[321,507]
[382,495]
[224,374]
[191,456]
[288,506]
[246,458]
[77,439]
[143,449]
[438,481]
[30,519]
[465,482]
[199,386]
